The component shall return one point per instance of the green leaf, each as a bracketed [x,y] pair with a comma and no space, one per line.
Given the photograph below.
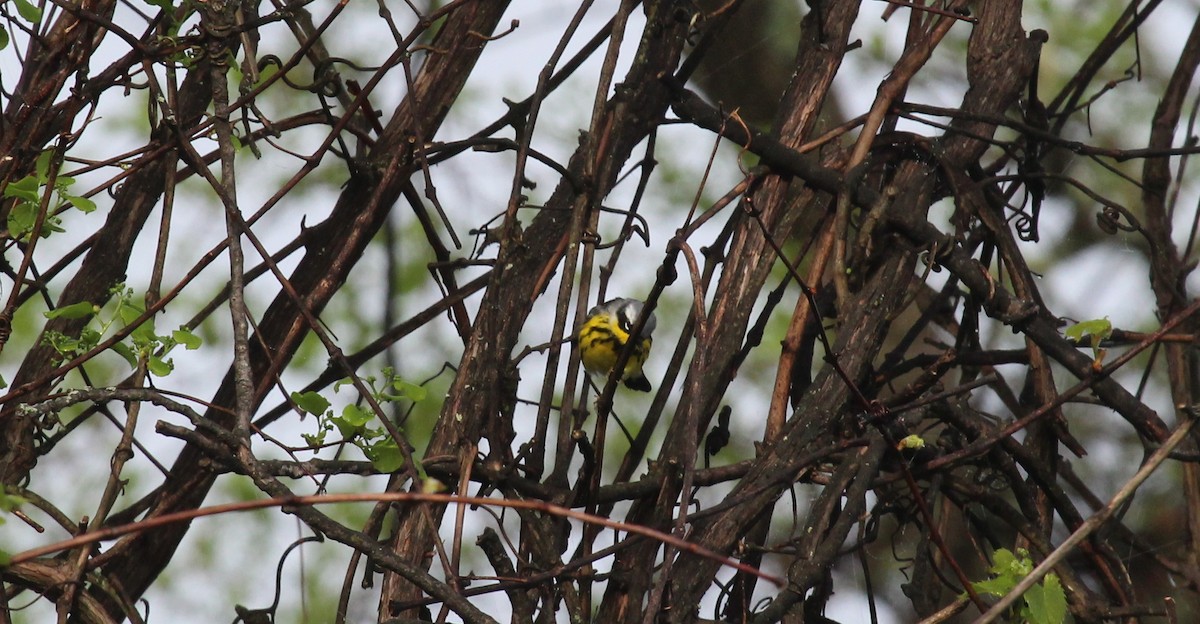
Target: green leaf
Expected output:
[352,420]
[159,367]
[43,160]
[21,219]
[190,341]
[68,346]
[82,309]
[59,342]
[82,204]
[1007,570]
[384,455]
[3,38]
[143,335]
[265,74]
[126,352]
[28,11]
[88,338]
[9,502]
[1044,603]
[5,558]
[51,225]
[26,188]
[1047,601]
[1005,563]
[411,391]
[310,402]
[129,312]
[3,383]
[994,587]
[1098,329]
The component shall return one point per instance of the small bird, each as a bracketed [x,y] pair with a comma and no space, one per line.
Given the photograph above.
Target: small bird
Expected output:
[604,333]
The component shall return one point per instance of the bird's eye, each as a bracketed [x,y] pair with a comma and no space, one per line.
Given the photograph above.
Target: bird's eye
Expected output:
[623,320]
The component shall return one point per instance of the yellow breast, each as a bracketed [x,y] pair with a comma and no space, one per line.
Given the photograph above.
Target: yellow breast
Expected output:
[600,344]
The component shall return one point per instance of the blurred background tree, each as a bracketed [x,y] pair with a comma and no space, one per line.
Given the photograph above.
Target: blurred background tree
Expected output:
[921,272]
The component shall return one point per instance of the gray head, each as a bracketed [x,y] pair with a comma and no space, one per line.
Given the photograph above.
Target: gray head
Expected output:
[627,311]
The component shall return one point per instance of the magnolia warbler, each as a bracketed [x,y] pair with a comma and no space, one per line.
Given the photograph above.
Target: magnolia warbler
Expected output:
[604,333]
